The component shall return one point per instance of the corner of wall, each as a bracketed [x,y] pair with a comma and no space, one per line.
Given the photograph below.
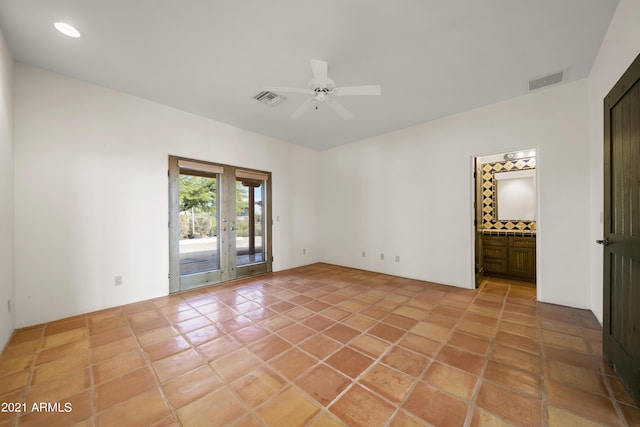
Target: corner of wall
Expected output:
[7,282]
[619,48]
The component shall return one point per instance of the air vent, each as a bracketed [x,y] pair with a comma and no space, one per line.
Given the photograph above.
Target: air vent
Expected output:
[545,81]
[269,98]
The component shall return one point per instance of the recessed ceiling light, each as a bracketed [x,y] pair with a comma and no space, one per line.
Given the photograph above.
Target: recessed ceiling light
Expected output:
[67,30]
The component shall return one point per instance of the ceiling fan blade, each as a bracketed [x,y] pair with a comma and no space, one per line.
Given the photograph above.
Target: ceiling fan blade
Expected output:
[358,90]
[339,108]
[303,108]
[319,69]
[287,89]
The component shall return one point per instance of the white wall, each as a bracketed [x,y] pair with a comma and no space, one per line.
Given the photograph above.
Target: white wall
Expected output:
[619,48]
[6,194]
[408,193]
[91,192]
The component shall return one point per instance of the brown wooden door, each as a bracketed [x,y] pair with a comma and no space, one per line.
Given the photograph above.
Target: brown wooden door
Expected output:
[621,332]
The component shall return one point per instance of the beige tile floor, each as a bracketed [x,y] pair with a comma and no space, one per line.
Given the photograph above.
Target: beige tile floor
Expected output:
[319,346]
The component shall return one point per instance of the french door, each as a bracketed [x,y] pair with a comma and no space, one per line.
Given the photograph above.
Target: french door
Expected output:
[219,223]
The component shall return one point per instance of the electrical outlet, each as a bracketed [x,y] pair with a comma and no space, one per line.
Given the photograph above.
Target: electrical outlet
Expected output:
[118,280]
[381,257]
[364,254]
[397,258]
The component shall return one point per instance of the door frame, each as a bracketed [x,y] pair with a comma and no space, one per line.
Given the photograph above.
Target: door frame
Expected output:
[474,213]
[477,223]
[228,270]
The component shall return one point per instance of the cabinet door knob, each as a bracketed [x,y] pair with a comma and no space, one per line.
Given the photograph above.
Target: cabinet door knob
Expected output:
[604,242]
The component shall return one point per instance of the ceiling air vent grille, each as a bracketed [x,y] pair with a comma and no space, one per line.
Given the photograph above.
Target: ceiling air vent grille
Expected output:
[269,98]
[545,81]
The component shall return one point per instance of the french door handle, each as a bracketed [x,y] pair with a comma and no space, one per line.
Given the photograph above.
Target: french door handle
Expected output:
[604,242]
[232,228]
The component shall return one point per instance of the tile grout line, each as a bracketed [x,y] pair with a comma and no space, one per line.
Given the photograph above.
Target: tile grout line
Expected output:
[149,366]
[32,369]
[485,362]
[301,287]
[545,400]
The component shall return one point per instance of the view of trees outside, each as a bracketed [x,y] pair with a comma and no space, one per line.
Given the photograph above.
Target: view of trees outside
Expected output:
[199,205]
[242,217]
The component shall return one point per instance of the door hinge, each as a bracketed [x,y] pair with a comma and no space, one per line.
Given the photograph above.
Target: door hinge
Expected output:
[475,222]
[169,276]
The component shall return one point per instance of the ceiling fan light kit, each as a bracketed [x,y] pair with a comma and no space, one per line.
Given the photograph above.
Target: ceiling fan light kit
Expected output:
[323,89]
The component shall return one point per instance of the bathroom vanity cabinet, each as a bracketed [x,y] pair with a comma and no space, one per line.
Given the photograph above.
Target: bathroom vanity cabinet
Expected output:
[510,256]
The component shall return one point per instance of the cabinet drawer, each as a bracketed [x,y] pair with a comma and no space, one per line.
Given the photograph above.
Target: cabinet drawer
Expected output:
[495,265]
[495,240]
[522,242]
[494,252]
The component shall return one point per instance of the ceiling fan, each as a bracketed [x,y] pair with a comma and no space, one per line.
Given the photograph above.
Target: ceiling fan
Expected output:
[324,90]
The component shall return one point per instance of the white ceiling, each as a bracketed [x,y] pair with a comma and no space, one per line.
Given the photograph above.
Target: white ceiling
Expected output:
[432,58]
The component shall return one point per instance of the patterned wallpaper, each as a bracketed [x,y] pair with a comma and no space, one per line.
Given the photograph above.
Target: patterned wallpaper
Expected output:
[489,186]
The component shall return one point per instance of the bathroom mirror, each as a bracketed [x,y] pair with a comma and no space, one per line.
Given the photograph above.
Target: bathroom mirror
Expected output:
[516,195]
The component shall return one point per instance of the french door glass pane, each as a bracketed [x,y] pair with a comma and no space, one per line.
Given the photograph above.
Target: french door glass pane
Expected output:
[249,221]
[198,243]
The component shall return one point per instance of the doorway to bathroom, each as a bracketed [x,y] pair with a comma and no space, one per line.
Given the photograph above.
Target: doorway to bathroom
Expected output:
[505,202]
